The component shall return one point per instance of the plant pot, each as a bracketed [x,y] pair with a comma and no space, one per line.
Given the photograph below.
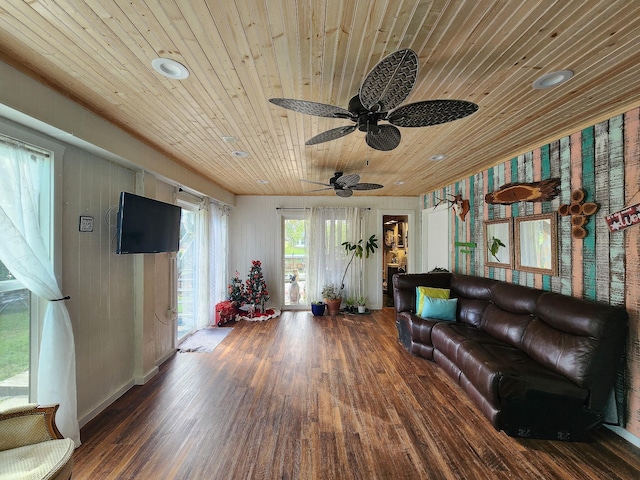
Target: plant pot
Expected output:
[333,305]
[362,309]
[317,309]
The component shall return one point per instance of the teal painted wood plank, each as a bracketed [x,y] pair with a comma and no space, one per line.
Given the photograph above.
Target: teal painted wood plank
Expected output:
[564,224]
[490,188]
[545,169]
[546,282]
[514,178]
[589,242]
[601,196]
[616,203]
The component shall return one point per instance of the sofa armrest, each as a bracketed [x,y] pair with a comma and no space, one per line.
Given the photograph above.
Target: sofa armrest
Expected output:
[27,425]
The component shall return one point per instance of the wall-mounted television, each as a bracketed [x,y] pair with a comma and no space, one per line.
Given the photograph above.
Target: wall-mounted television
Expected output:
[146,225]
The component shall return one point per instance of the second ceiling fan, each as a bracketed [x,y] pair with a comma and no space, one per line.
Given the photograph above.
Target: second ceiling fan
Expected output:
[383,90]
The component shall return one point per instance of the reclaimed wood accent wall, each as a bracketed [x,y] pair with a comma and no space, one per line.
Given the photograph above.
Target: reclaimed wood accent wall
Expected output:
[604,160]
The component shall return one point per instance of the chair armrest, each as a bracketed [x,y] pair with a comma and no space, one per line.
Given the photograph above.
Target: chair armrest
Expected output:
[28,424]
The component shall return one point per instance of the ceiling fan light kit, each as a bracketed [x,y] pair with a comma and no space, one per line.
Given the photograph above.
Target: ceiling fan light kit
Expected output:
[386,86]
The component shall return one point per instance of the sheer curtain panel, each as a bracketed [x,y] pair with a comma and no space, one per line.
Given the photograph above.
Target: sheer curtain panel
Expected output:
[327,260]
[24,251]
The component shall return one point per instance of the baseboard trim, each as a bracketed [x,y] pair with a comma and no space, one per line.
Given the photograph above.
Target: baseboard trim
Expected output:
[624,433]
[148,376]
[94,412]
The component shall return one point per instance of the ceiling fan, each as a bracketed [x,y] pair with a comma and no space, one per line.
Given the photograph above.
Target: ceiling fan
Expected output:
[344,185]
[384,88]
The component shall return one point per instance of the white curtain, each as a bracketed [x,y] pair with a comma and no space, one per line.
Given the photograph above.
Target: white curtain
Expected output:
[218,246]
[24,251]
[327,228]
[204,303]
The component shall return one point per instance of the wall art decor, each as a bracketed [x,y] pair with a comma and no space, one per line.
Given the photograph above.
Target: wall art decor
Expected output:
[580,212]
[524,192]
[623,219]
[459,205]
[498,234]
[535,243]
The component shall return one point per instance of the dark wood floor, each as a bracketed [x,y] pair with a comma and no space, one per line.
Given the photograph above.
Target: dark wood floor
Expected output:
[300,397]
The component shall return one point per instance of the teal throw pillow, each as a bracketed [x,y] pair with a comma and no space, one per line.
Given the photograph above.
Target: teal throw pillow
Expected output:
[439,309]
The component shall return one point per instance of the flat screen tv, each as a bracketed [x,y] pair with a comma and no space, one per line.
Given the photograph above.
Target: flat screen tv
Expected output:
[146,225]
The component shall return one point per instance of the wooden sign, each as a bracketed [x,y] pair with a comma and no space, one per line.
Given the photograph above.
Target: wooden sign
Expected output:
[624,218]
[524,192]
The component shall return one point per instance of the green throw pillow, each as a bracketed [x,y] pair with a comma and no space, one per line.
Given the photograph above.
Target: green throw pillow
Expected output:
[432,292]
[439,309]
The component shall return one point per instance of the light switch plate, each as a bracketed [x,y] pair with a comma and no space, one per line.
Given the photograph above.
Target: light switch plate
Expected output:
[86,223]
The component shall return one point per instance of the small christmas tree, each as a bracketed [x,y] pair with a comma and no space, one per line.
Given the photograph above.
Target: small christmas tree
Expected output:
[256,288]
[236,291]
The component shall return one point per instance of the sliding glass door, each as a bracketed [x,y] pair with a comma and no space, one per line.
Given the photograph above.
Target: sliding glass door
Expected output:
[295,252]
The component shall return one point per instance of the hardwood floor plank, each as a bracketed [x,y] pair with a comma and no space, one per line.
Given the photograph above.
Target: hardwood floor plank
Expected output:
[303,397]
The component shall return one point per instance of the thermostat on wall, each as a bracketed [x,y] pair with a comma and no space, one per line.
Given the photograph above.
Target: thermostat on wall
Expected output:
[86,223]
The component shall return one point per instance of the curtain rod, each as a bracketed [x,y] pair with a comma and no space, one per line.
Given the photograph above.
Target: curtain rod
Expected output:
[309,208]
[12,142]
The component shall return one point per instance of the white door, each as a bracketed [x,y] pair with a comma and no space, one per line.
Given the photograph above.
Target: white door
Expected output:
[435,235]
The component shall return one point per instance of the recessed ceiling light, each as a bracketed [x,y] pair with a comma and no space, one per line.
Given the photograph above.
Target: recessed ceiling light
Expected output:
[263,182]
[239,154]
[400,182]
[552,79]
[170,68]
[230,139]
[440,156]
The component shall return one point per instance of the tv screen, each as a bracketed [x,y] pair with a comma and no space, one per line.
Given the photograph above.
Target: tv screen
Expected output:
[146,225]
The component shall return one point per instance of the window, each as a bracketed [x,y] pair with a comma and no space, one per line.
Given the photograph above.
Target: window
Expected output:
[295,253]
[19,312]
[187,273]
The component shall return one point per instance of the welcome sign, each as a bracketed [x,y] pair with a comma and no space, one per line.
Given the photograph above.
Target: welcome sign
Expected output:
[624,218]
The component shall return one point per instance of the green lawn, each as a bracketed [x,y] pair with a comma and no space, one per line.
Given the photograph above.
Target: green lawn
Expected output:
[293,250]
[14,342]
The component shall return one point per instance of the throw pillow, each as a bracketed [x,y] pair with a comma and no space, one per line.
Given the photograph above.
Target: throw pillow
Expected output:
[439,308]
[432,292]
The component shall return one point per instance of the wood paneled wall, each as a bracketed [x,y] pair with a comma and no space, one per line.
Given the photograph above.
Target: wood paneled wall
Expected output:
[604,160]
[255,233]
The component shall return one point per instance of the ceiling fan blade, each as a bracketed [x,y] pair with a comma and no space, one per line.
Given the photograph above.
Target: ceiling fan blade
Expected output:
[332,134]
[387,137]
[347,181]
[320,189]
[347,192]
[312,108]
[315,183]
[366,186]
[389,83]
[431,112]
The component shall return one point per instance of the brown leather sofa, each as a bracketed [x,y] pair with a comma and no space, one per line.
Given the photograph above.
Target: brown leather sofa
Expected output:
[537,364]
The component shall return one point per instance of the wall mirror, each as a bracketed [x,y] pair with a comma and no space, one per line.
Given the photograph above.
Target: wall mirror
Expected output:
[535,241]
[498,250]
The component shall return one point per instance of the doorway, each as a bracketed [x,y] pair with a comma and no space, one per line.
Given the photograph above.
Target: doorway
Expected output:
[395,250]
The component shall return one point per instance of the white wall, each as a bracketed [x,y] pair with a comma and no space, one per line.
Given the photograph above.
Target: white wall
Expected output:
[255,232]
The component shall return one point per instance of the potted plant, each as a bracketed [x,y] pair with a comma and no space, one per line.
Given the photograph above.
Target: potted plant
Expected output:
[362,304]
[350,305]
[332,297]
[317,308]
[359,249]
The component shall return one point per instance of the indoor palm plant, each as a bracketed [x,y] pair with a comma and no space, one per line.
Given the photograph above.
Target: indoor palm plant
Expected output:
[358,249]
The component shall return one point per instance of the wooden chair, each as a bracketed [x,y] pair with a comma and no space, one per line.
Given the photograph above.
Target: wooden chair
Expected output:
[31,446]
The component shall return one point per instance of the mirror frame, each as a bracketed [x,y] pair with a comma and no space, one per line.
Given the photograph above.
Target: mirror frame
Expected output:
[490,226]
[524,243]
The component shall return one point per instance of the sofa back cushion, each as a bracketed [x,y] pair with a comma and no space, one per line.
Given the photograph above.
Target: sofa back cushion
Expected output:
[473,294]
[510,312]
[582,340]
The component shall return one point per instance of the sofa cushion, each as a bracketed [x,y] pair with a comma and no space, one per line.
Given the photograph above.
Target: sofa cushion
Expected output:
[505,326]
[432,292]
[40,460]
[439,308]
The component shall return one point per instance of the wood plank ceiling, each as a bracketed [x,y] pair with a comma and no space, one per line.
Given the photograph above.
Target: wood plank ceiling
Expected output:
[241,53]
